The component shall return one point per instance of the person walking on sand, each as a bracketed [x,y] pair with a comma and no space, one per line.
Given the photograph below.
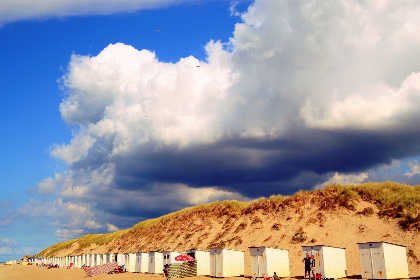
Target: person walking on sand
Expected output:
[308,265]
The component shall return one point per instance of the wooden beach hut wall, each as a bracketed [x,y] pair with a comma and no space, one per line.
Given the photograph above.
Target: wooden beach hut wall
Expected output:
[142,262]
[121,259]
[202,259]
[100,259]
[114,257]
[104,259]
[110,258]
[126,257]
[89,259]
[93,260]
[155,262]
[131,262]
[81,261]
[383,260]
[330,261]
[226,262]
[77,262]
[265,261]
[169,257]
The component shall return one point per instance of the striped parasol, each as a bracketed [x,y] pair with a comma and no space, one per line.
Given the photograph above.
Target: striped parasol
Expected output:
[184,258]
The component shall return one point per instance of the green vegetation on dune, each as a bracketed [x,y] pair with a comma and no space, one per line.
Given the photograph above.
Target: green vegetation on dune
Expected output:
[233,204]
[392,199]
[50,251]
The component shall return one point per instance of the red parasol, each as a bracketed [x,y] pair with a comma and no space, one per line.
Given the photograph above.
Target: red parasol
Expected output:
[183,258]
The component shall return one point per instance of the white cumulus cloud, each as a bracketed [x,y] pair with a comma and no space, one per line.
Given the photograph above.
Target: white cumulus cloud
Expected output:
[15,10]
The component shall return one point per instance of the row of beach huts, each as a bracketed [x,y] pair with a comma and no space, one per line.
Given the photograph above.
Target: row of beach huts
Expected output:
[378,260]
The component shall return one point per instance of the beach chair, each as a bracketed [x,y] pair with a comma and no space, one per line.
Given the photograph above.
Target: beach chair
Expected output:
[70,266]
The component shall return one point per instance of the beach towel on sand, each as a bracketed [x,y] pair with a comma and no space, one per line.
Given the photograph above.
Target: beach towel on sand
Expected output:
[98,269]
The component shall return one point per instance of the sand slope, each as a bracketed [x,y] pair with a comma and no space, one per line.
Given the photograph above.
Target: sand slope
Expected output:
[309,218]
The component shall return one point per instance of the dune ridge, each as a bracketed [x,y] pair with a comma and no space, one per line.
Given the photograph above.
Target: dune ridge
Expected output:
[339,216]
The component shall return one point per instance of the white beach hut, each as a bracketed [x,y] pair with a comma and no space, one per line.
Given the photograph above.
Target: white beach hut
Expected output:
[383,260]
[109,258]
[155,262]
[169,257]
[100,259]
[142,262]
[89,259]
[92,259]
[202,259]
[85,260]
[330,261]
[226,262]
[113,257]
[265,261]
[131,262]
[104,261]
[121,259]
[76,261]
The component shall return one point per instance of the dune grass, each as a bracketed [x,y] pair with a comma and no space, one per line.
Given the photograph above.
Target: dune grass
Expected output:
[233,204]
[392,199]
[50,251]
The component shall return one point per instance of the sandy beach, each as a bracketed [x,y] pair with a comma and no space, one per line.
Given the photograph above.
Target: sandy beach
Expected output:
[20,272]
[15,272]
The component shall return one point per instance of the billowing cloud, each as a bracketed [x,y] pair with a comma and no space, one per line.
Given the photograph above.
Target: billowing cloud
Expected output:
[15,10]
[303,94]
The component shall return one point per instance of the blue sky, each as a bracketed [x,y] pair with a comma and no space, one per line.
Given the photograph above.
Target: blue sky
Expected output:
[116,115]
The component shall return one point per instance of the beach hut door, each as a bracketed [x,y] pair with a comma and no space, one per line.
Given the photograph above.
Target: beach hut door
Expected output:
[262,266]
[219,264]
[366,261]
[376,260]
[255,266]
[259,266]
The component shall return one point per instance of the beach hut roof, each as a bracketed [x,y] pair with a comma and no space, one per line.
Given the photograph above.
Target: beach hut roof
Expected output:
[267,247]
[197,250]
[382,242]
[323,246]
[225,249]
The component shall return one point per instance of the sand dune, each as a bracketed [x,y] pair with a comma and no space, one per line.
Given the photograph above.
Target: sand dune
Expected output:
[331,217]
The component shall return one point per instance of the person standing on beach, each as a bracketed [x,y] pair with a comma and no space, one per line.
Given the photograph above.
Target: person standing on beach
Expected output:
[313,266]
[308,265]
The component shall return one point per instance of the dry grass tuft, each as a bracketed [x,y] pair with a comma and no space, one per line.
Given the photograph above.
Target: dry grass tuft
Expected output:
[299,237]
